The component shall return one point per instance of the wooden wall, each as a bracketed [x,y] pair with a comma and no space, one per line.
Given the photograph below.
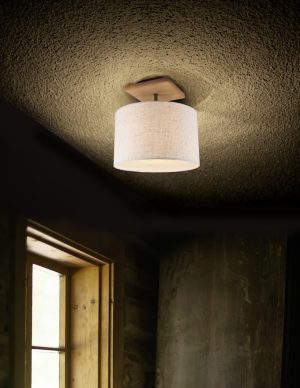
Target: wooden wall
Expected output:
[221,311]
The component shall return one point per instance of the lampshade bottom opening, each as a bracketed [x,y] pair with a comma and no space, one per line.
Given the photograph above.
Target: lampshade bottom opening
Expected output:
[157,165]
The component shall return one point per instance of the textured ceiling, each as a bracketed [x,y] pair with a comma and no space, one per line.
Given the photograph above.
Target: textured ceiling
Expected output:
[238,61]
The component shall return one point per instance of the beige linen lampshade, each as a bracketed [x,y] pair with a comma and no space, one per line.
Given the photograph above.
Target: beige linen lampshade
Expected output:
[156,136]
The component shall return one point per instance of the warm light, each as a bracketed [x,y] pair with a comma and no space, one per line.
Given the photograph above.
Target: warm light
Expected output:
[156,136]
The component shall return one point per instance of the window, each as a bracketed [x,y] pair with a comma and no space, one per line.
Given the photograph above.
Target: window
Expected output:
[47,323]
[69,315]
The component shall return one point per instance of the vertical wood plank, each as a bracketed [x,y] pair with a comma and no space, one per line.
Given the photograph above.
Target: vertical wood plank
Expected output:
[111,324]
[28,324]
[104,327]
[84,324]
[20,305]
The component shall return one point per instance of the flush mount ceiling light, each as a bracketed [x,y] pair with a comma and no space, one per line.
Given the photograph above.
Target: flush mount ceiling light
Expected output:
[156,135]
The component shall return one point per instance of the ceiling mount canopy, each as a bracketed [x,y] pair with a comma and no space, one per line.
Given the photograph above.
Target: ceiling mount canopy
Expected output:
[164,87]
[156,134]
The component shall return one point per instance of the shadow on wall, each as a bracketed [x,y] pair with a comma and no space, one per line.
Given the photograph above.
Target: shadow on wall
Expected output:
[43,176]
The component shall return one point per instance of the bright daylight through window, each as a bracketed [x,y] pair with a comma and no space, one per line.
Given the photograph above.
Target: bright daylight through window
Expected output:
[48,328]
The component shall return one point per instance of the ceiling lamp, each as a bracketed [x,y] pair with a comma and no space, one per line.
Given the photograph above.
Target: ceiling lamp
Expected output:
[156,135]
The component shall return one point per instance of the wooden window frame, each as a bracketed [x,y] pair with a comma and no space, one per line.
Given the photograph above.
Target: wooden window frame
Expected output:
[106,292]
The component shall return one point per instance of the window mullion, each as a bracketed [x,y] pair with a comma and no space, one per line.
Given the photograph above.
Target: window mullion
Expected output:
[50,348]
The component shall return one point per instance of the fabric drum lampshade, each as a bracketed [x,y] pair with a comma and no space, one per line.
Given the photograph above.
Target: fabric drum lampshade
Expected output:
[156,136]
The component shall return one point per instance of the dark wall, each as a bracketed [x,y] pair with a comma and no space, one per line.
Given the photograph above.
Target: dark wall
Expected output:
[140,319]
[44,179]
[7,243]
[221,309]
[42,176]
[291,344]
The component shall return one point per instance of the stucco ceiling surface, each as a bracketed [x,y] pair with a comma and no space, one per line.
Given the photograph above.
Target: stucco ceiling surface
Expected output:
[65,63]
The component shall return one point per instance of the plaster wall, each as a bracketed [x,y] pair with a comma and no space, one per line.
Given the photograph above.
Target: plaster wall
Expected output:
[221,303]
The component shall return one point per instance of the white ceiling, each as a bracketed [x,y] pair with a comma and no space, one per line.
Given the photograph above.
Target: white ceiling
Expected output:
[238,62]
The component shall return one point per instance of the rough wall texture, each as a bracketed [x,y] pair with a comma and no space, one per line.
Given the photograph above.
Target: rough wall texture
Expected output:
[141,294]
[221,313]
[7,238]
[66,62]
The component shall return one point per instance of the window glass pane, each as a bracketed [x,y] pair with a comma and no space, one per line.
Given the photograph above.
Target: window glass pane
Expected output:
[44,369]
[45,307]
